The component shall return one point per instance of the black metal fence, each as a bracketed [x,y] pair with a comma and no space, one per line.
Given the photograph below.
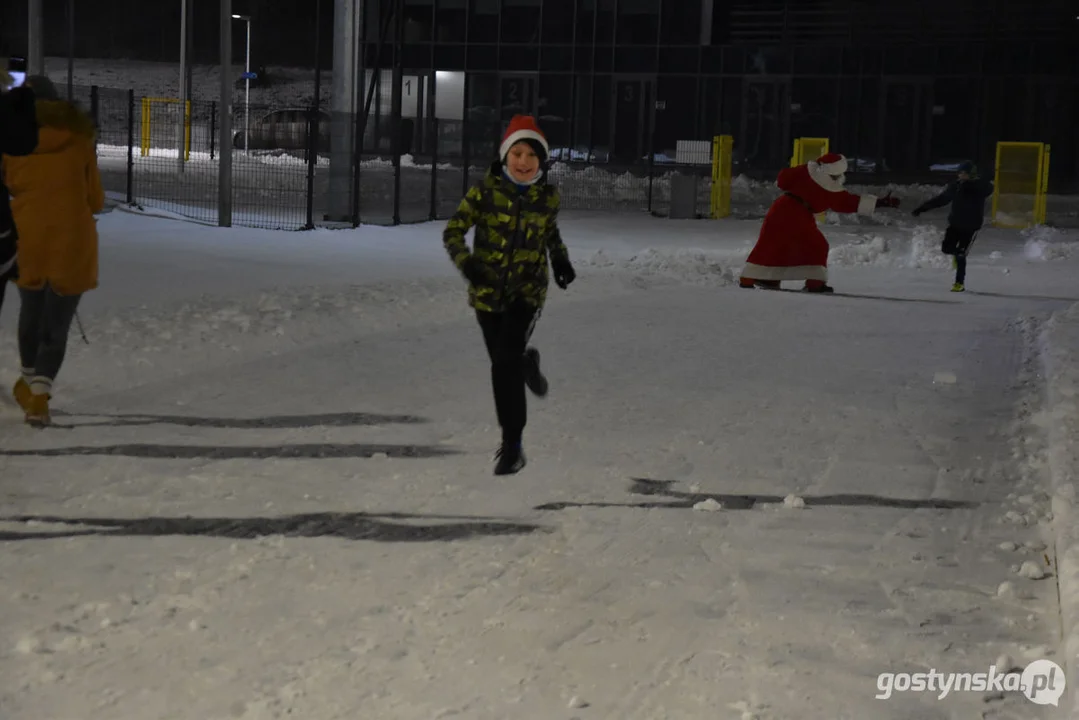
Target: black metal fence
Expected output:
[296,168]
[284,173]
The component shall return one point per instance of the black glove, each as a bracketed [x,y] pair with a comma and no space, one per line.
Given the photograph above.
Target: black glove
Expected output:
[564,273]
[916,212]
[888,201]
[476,272]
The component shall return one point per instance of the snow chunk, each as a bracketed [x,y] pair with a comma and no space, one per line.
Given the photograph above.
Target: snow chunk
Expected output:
[709,505]
[795,502]
[1032,570]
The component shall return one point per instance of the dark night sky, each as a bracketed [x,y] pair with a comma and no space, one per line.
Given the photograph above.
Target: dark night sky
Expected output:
[284,30]
[150,29]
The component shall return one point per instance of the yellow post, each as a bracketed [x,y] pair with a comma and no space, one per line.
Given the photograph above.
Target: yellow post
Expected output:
[147,113]
[144,144]
[996,185]
[807,148]
[187,130]
[1021,180]
[1043,190]
[722,152]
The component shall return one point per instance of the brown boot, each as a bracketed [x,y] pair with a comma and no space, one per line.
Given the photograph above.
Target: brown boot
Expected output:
[21,393]
[37,414]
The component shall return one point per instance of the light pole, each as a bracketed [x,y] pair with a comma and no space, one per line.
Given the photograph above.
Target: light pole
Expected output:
[247,80]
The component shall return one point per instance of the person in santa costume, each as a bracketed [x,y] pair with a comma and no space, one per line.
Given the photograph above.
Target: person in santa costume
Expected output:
[790,245]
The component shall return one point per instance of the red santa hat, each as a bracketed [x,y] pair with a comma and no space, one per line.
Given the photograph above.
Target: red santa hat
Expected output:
[830,164]
[524,127]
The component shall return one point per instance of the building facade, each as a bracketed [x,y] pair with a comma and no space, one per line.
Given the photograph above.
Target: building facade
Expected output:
[905,89]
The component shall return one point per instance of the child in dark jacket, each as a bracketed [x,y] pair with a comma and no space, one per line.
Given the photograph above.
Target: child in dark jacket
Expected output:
[967,195]
[515,215]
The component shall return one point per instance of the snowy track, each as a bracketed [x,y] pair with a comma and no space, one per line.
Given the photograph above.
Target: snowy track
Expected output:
[317,534]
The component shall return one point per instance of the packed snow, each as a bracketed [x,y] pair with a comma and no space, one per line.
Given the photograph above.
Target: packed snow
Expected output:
[269,490]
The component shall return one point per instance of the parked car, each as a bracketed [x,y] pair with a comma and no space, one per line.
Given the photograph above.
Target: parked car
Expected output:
[284,129]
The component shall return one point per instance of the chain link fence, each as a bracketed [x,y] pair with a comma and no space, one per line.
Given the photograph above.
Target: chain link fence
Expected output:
[154,153]
[290,172]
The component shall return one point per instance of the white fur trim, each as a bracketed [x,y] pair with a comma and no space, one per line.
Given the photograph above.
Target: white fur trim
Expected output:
[867,204]
[796,272]
[824,178]
[517,137]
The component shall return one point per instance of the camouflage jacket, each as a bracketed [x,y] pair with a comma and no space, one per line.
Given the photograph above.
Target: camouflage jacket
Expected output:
[514,232]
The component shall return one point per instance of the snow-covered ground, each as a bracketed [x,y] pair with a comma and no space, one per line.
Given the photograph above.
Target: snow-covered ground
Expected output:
[270,491]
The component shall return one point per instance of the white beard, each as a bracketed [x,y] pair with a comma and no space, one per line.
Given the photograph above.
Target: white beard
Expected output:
[828,182]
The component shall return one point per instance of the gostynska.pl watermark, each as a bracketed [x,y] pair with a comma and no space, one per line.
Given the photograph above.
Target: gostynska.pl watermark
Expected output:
[1042,682]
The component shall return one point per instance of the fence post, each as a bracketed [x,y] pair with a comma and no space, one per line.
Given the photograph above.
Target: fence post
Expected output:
[395,105]
[466,146]
[131,146]
[654,117]
[224,165]
[213,127]
[312,161]
[434,170]
[95,112]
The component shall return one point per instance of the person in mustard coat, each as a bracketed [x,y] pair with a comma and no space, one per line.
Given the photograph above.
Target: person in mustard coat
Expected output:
[55,191]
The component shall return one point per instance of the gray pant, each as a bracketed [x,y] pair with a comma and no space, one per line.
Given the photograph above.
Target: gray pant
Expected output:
[44,323]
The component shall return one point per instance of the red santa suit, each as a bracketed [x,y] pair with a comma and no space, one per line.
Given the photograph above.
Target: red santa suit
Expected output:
[790,245]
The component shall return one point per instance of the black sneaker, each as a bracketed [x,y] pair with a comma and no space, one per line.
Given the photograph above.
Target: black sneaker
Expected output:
[534,379]
[509,459]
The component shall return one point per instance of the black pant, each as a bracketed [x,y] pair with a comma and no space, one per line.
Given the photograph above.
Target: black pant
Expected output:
[506,335]
[957,242]
[44,323]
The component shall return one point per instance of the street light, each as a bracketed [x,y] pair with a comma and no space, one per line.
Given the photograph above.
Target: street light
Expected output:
[247,79]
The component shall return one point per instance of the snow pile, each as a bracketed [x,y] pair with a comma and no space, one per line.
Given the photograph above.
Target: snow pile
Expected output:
[872,250]
[686,266]
[921,250]
[1059,346]
[925,248]
[1043,244]
[407,161]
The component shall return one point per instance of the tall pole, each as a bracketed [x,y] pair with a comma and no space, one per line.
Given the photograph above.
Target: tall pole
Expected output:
[345,78]
[318,54]
[181,144]
[314,125]
[224,168]
[35,56]
[247,88]
[71,50]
